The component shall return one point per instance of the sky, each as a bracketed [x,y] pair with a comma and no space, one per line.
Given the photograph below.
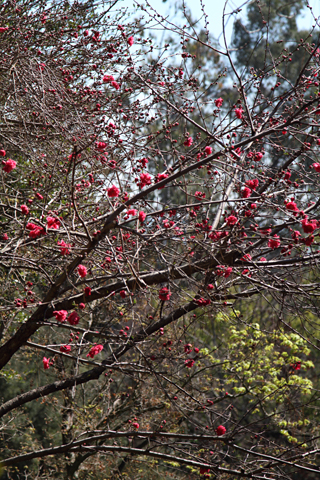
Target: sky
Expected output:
[214,10]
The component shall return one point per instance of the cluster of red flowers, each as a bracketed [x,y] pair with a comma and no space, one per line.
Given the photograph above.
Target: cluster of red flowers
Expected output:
[95,350]
[164,294]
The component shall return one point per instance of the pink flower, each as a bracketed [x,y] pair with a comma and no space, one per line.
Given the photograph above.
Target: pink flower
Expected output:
[5,236]
[53,223]
[136,425]
[246,192]
[3,29]
[122,294]
[82,271]
[274,242]
[132,211]
[316,166]
[82,306]
[24,209]
[38,195]
[159,177]
[64,247]
[9,165]
[73,318]
[292,206]
[210,286]
[35,230]
[218,102]
[263,259]
[252,183]
[238,112]
[223,271]
[188,142]
[164,294]
[100,146]
[231,220]
[87,291]
[108,78]
[130,41]
[113,191]
[208,150]
[2,153]
[189,362]
[95,350]
[60,315]
[308,226]
[188,348]
[145,179]
[142,217]
[46,363]
[221,430]
[65,348]
[115,85]
[258,156]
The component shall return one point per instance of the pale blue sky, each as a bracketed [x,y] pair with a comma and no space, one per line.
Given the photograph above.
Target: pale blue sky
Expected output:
[214,10]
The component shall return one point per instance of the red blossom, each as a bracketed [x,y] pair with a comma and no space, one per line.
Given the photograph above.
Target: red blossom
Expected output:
[253,184]
[95,350]
[188,142]
[218,102]
[238,112]
[87,291]
[246,192]
[231,220]
[2,153]
[115,85]
[221,430]
[132,211]
[142,217]
[292,206]
[64,247]
[108,78]
[258,156]
[82,271]
[113,191]
[274,242]
[65,348]
[164,294]
[208,150]
[101,146]
[35,230]
[308,226]
[24,209]
[73,318]
[189,362]
[53,223]
[9,165]
[46,363]
[122,294]
[130,41]
[159,177]
[145,179]
[60,315]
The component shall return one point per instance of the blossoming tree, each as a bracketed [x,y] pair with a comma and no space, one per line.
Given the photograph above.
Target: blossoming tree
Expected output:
[137,314]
